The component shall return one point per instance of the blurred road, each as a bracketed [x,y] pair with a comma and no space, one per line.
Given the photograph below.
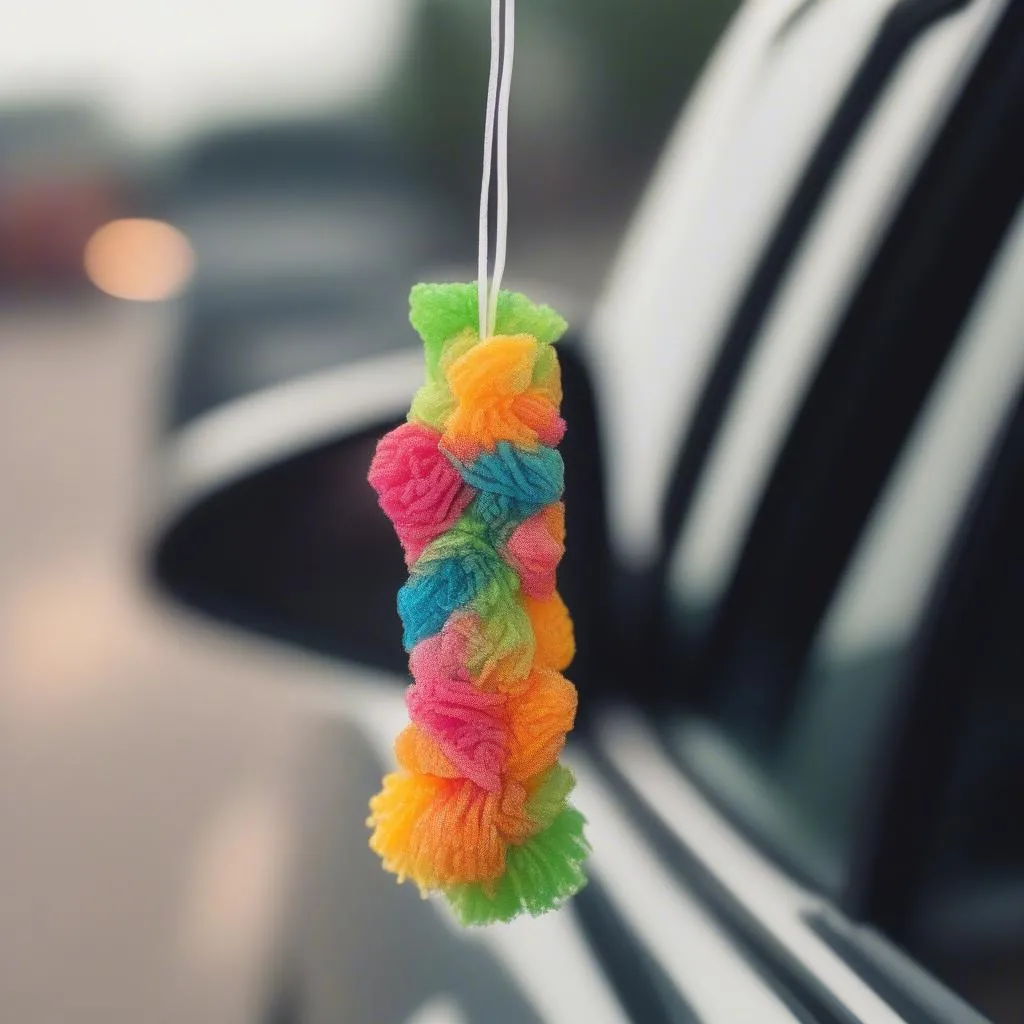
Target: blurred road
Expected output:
[148,770]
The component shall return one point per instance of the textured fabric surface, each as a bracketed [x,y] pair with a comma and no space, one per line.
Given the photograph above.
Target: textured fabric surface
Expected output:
[473,483]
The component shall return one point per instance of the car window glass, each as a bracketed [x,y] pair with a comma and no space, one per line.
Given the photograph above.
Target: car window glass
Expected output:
[968,922]
[793,341]
[855,663]
[721,187]
[800,792]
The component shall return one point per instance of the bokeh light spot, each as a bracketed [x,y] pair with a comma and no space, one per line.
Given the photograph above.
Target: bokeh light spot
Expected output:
[138,259]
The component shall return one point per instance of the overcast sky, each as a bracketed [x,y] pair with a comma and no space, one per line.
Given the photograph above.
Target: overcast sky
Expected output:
[161,66]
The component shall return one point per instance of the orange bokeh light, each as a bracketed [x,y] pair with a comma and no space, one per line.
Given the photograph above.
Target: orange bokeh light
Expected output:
[138,259]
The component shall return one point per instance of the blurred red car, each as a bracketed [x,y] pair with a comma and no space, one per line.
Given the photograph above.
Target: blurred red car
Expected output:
[60,179]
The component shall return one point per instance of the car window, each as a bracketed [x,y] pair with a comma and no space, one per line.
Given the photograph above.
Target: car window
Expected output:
[810,304]
[802,791]
[727,175]
[965,920]
[860,332]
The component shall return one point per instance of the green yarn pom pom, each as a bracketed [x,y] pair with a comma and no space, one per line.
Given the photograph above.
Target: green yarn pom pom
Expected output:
[439,312]
[444,313]
[505,640]
[539,876]
[546,365]
[550,796]
[432,405]
[518,315]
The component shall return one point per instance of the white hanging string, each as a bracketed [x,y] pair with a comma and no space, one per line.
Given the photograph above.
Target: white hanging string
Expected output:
[488,295]
[501,241]
[485,186]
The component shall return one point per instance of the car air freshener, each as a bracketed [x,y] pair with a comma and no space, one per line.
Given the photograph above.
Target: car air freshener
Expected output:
[473,482]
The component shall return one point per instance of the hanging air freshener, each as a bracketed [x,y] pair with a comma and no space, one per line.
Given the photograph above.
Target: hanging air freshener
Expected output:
[473,484]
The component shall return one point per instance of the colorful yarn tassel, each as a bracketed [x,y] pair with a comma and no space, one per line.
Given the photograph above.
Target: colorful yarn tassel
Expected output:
[473,485]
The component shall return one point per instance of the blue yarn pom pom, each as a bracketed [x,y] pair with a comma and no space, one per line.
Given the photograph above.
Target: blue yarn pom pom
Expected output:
[453,571]
[529,477]
[426,601]
[501,514]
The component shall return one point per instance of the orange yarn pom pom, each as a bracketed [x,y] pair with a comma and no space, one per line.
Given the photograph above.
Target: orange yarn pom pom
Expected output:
[491,386]
[421,754]
[552,630]
[441,832]
[539,716]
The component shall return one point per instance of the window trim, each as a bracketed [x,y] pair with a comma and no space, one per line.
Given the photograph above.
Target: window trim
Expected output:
[763,909]
[642,984]
[828,969]
[903,797]
[899,31]
[953,165]
[918,997]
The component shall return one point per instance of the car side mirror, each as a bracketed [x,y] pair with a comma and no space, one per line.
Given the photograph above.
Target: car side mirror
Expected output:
[268,523]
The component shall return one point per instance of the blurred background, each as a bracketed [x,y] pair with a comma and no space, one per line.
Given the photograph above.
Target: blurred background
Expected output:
[240,189]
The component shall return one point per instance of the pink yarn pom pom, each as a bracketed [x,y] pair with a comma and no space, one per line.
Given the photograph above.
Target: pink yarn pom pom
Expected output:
[534,554]
[466,722]
[441,659]
[417,487]
[552,432]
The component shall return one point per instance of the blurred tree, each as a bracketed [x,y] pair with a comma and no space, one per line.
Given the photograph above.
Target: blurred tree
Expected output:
[598,82]
[649,53]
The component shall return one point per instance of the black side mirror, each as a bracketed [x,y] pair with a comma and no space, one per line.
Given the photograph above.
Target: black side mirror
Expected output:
[298,551]
[271,526]
[268,522]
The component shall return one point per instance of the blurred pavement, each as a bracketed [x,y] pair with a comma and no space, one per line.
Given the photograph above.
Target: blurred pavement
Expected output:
[149,769]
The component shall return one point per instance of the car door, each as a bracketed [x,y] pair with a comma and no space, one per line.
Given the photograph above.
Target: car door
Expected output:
[874,832]
[825,517]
